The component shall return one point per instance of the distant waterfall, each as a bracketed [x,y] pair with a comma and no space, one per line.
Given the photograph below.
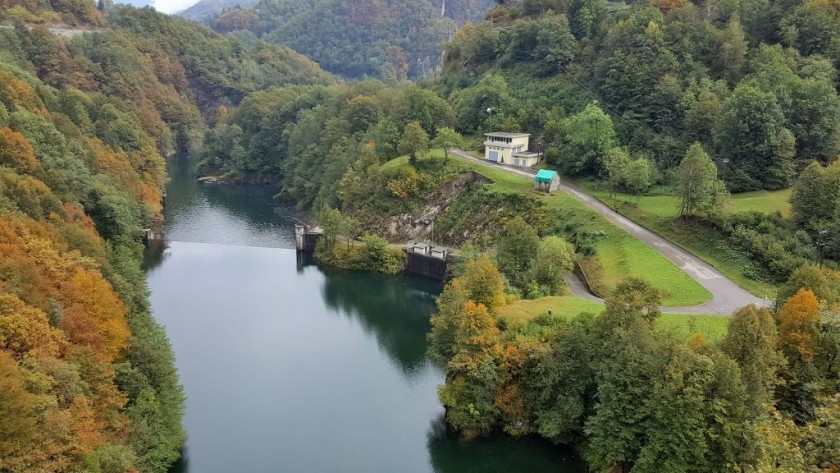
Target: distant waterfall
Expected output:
[443,8]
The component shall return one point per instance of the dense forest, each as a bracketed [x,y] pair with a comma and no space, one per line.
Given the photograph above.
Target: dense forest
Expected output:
[671,99]
[635,398]
[675,100]
[391,39]
[87,376]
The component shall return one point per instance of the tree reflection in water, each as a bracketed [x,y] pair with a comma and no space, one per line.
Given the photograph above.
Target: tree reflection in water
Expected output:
[396,309]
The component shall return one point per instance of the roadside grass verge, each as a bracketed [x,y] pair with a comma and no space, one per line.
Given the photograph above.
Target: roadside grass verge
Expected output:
[712,327]
[657,213]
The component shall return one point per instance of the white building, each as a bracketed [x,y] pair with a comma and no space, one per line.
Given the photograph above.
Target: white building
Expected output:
[510,149]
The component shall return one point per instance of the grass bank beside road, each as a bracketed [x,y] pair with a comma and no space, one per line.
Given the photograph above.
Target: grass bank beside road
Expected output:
[658,213]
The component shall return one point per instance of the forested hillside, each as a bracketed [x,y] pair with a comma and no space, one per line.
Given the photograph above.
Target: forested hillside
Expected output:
[670,101]
[206,9]
[619,95]
[87,377]
[71,12]
[675,102]
[391,39]
[756,86]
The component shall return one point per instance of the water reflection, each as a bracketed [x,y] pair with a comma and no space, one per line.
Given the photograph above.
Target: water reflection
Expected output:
[154,254]
[224,214]
[496,454]
[396,311]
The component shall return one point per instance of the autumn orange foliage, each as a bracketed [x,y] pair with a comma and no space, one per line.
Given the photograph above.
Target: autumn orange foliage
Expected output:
[94,315]
[798,325]
[16,152]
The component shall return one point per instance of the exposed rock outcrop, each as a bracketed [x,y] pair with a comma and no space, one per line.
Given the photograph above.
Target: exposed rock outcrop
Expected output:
[418,224]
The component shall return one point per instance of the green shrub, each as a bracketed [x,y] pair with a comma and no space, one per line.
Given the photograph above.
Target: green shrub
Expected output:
[372,255]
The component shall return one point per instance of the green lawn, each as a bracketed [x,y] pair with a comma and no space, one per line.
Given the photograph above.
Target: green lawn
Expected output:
[712,327]
[621,255]
[567,306]
[762,201]
[669,205]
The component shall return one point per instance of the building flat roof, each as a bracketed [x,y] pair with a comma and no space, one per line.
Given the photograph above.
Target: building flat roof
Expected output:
[545,175]
[501,134]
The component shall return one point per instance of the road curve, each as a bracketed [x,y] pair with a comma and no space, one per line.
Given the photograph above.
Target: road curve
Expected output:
[726,295]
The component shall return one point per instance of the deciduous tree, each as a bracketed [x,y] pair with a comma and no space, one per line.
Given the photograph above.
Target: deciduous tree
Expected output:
[751,342]
[699,188]
[414,141]
[447,138]
[516,251]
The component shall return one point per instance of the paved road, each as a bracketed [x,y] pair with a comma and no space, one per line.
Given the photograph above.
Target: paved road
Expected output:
[65,32]
[726,295]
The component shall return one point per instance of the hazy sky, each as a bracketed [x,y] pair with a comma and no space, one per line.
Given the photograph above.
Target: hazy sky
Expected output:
[172,6]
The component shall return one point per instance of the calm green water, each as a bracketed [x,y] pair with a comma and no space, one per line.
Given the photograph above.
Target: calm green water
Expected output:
[293,368]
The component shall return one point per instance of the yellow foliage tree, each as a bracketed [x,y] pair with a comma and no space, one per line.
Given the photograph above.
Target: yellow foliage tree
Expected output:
[484,283]
[94,315]
[25,329]
[16,152]
[17,410]
[798,325]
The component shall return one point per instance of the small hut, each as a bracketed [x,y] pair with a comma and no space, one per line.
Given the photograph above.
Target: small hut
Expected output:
[546,181]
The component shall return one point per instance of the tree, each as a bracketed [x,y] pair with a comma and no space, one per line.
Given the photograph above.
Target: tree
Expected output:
[362,113]
[615,164]
[634,175]
[751,341]
[639,176]
[661,406]
[517,250]
[447,138]
[816,195]
[813,116]
[425,107]
[25,330]
[414,140]
[555,45]
[450,305]
[335,224]
[798,327]
[95,316]
[751,141]
[17,410]
[733,50]
[563,379]
[484,283]
[16,152]
[699,188]
[633,300]
[377,256]
[472,376]
[554,257]
[584,141]
[798,340]
[472,104]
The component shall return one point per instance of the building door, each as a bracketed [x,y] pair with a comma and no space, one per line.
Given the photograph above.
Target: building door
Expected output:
[493,156]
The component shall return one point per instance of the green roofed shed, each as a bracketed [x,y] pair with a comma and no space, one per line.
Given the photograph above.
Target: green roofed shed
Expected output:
[546,180]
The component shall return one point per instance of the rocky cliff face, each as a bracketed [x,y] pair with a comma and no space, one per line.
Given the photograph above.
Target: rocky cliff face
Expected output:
[419,224]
